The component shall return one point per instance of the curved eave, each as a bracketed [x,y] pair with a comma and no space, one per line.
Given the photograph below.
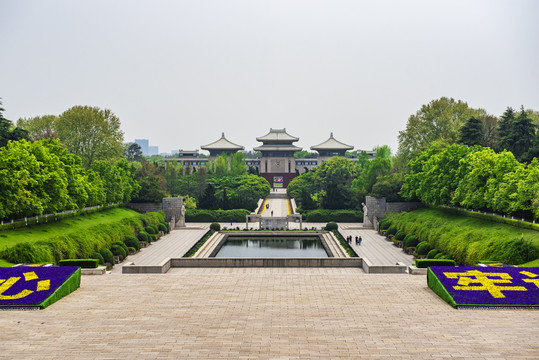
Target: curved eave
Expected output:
[223,144]
[332,144]
[277,135]
[277,148]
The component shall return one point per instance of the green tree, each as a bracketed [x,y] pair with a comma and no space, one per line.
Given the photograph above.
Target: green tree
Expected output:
[7,132]
[440,119]
[472,132]
[133,153]
[39,127]
[517,134]
[91,133]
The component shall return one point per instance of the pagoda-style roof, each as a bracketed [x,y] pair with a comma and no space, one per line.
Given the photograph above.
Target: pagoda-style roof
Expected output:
[331,144]
[277,135]
[222,144]
[283,147]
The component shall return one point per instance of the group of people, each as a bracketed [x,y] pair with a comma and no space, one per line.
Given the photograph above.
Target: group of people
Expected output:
[349,239]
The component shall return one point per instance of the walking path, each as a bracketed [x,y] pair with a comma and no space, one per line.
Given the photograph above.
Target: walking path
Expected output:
[374,246]
[263,314]
[278,204]
[173,245]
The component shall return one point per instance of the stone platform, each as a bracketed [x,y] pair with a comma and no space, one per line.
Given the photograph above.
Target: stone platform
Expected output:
[267,313]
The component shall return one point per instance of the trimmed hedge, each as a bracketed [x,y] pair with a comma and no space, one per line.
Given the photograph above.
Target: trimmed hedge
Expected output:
[131,241]
[163,227]
[202,215]
[384,224]
[331,226]
[117,250]
[326,215]
[151,230]
[410,241]
[107,256]
[82,263]
[425,263]
[392,230]
[431,254]
[215,226]
[122,244]
[99,257]
[144,236]
[78,245]
[467,239]
[423,248]
[400,235]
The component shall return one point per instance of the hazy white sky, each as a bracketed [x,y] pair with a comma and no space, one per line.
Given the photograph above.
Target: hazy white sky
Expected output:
[180,72]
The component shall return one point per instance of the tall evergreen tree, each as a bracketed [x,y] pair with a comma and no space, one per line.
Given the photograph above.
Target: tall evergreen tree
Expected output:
[472,132]
[517,134]
[504,129]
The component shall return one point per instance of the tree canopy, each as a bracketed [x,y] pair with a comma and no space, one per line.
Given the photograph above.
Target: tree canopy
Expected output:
[91,133]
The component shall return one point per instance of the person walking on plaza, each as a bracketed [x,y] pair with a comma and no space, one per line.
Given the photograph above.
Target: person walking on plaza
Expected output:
[359,241]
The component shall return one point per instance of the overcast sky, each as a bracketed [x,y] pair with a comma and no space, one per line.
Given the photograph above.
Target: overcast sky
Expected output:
[181,72]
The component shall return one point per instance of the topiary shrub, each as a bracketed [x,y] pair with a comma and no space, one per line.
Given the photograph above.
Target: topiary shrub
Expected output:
[107,255]
[423,248]
[131,250]
[215,226]
[439,255]
[98,256]
[144,236]
[424,263]
[163,227]
[330,226]
[400,235]
[431,254]
[384,224]
[133,242]
[392,230]
[410,241]
[117,250]
[122,244]
[152,230]
[82,263]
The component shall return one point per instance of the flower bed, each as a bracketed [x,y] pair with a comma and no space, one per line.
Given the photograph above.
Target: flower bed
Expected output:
[473,286]
[26,287]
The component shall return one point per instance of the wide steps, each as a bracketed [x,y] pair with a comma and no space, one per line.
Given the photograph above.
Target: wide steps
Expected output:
[206,249]
[334,245]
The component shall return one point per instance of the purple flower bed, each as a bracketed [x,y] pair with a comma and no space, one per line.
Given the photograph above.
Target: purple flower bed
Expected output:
[497,286]
[26,286]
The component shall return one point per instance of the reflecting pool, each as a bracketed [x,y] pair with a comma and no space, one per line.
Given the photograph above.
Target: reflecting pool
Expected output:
[244,247]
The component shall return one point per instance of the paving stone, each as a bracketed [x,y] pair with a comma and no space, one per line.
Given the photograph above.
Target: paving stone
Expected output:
[263,314]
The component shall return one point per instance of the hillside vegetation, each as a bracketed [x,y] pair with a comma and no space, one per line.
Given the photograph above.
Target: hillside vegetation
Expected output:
[72,238]
[470,240]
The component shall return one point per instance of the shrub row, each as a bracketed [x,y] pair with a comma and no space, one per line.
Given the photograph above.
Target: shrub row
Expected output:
[492,218]
[424,263]
[201,215]
[79,245]
[36,220]
[465,239]
[201,242]
[326,215]
[83,263]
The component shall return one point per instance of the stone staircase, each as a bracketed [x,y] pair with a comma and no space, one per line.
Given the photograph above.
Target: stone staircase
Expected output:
[334,245]
[210,245]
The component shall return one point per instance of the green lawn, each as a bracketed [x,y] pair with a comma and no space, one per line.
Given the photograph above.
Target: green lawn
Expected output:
[470,240]
[4,263]
[39,232]
[534,263]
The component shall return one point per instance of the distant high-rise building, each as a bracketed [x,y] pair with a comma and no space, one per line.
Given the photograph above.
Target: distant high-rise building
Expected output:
[153,150]
[144,145]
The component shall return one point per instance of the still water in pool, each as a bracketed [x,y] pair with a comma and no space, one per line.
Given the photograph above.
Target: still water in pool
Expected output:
[272,248]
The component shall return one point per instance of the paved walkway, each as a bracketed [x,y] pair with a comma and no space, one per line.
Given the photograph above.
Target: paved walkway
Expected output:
[277,201]
[250,314]
[374,246]
[173,245]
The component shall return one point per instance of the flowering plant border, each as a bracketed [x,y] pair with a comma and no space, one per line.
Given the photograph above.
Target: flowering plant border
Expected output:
[474,286]
[25,287]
